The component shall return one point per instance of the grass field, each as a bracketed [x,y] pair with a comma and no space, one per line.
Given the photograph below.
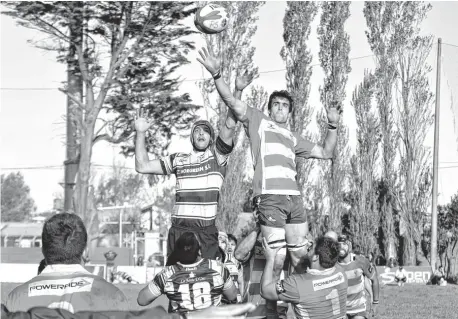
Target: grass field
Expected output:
[408,302]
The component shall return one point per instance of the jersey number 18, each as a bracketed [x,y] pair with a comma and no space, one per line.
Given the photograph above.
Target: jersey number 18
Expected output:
[200,298]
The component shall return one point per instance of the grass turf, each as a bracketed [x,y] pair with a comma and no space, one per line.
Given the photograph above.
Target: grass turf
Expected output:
[408,302]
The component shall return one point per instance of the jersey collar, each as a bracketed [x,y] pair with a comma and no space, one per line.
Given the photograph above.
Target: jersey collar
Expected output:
[191,265]
[64,269]
[321,272]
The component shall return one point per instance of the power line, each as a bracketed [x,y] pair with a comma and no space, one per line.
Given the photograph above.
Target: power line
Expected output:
[29,89]
[60,167]
[126,167]
[188,80]
[452,45]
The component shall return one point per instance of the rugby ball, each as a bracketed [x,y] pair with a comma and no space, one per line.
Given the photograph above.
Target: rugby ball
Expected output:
[211,19]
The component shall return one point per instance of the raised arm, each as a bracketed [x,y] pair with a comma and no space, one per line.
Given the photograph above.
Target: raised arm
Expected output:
[150,292]
[213,66]
[227,130]
[326,151]
[243,251]
[268,280]
[142,162]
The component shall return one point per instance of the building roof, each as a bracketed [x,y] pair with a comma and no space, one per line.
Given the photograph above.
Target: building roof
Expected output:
[21,229]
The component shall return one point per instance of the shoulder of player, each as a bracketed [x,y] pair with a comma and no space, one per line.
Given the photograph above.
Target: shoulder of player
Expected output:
[180,156]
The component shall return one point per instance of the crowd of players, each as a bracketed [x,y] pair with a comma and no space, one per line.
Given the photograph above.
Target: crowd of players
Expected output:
[275,265]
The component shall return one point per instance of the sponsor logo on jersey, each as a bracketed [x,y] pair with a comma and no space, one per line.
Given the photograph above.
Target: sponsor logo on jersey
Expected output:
[60,287]
[328,282]
[193,170]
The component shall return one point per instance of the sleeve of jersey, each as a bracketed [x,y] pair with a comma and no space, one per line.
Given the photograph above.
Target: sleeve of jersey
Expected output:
[303,147]
[254,118]
[222,151]
[288,288]
[228,283]
[168,164]
[156,286]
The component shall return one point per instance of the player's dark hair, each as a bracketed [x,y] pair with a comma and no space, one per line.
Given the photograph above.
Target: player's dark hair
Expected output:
[281,93]
[232,237]
[64,239]
[41,266]
[187,248]
[327,251]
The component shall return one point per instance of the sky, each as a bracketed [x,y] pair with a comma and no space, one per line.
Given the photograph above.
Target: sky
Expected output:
[32,128]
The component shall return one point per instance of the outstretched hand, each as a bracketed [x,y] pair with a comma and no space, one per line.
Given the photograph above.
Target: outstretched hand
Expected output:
[209,61]
[333,113]
[142,124]
[242,81]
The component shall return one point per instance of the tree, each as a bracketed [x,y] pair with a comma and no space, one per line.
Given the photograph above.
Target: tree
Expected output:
[333,55]
[383,22]
[364,211]
[298,58]
[414,103]
[16,201]
[127,55]
[234,48]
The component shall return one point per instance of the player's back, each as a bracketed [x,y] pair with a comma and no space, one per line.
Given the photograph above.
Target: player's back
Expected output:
[319,294]
[68,287]
[355,270]
[194,286]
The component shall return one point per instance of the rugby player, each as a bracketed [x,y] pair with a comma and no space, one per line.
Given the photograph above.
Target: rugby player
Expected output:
[64,283]
[274,149]
[199,174]
[233,265]
[320,293]
[250,254]
[358,268]
[193,283]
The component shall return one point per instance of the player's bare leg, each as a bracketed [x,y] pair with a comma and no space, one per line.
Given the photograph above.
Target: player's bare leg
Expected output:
[298,245]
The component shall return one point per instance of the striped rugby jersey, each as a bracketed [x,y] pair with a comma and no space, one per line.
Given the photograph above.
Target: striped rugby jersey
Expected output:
[252,273]
[192,287]
[274,150]
[356,270]
[316,294]
[69,287]
[200,176]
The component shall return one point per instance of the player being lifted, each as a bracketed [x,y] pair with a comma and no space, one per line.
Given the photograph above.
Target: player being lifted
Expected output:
[199,174]
[274,150]
[357,268]
[193,283]
[320,293]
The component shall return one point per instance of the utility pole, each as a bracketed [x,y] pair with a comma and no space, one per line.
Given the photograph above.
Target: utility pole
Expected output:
[75,88]
[436,158]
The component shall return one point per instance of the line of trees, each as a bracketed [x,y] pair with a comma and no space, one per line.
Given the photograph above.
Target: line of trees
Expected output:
[126,54]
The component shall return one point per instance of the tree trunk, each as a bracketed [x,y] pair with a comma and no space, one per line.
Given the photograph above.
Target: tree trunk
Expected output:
[75,88]
[84,170]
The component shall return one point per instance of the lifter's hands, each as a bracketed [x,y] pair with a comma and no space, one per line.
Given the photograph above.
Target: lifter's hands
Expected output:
[333,114]
[209,61]
[269,253]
